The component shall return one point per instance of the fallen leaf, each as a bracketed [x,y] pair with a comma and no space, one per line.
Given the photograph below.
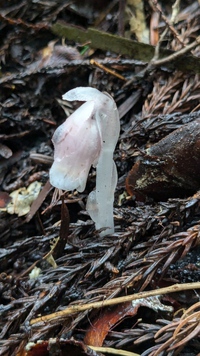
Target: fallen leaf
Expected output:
[110,316]
[21,199]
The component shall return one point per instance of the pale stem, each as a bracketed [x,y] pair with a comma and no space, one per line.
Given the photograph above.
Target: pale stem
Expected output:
[100,201]
[106,181]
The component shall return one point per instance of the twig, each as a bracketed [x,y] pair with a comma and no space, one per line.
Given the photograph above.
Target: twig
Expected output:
[174,12]
[176,55]
[175,9]
[122,4]
[112,351]
[167,60]
[155,62]
[107,70]
[79,308]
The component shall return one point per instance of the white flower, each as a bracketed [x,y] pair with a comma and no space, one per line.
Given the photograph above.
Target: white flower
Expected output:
[88,137]
[77,145]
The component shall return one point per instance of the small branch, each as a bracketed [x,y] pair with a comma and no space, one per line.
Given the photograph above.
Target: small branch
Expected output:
[107,70]
[79,308]
[155,61]
[122,5]
[169,23]
[112,351]
[177,54]
[124,46]
[173,58]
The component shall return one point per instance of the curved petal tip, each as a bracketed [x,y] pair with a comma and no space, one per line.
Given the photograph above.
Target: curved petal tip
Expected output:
[81,94]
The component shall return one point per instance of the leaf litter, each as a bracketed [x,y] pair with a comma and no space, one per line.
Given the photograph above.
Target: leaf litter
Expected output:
[155,244]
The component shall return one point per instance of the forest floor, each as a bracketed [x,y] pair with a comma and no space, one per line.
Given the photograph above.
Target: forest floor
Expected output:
[64,289]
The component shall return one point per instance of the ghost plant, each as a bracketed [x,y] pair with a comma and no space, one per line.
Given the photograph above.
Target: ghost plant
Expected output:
[88,138]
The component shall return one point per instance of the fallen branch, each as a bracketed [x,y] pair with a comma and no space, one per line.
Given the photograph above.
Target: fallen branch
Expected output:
[137,50]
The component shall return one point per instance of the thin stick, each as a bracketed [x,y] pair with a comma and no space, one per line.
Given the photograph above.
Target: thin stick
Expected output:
[155,61]
[159,62]
[112,351]
[177,54]
[169,23]
[79,308]
[122,5]
[107,70]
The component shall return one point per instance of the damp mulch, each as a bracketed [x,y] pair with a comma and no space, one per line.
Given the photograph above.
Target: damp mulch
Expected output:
[51,257]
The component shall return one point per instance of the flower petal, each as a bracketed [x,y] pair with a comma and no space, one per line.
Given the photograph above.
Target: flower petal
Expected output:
[82,94]
[77,146]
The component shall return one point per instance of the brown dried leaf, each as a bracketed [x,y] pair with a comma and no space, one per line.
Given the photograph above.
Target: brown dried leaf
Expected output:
[39,200]
[99,329]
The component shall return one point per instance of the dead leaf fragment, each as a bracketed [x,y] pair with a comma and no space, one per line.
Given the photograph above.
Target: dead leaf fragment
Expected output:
[137,21]
[22,199]
[55,346]
[111,316]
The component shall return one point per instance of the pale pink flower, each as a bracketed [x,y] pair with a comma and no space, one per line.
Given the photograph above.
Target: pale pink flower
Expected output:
[88,137]
[77,145]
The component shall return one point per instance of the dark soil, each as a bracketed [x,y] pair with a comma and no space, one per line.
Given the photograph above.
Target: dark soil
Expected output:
[156,242]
